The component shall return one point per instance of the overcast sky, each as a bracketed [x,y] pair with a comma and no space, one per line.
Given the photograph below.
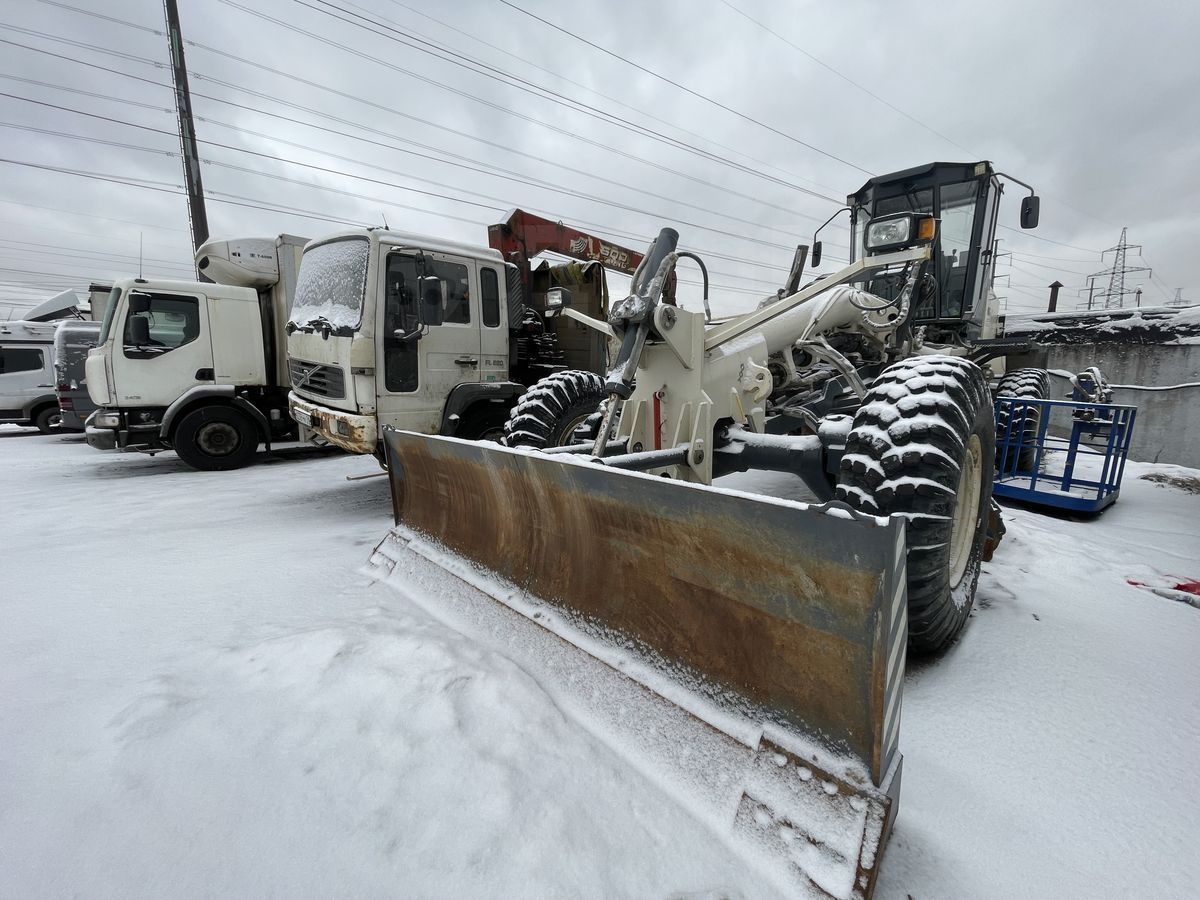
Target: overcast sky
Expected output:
[764,130]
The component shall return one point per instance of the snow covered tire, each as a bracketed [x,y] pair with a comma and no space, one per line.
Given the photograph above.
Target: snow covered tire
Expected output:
[550,412]
[923,447]
[1024,384]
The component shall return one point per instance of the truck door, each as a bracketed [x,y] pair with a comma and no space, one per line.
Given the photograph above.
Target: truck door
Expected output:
[420,361]
[23,377]
[176,354]
[493,341]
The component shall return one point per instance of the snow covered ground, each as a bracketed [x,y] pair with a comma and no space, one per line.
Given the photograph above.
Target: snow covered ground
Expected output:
[201,693]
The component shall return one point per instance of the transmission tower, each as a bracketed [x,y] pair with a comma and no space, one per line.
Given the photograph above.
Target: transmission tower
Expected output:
[1178,300]
[1114,296]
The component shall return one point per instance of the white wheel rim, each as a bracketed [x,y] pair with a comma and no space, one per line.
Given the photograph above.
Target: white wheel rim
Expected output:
[966,510]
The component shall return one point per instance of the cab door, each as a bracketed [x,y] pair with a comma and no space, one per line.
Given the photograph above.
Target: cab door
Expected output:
[173,354]
[429,336]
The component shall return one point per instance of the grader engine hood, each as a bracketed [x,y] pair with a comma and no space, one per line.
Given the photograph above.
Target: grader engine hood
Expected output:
[788,619]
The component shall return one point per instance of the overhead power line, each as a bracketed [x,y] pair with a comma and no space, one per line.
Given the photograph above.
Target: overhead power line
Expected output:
[505,203]
[791,210]
[573,135]
[654,116]
[846,78]
[687,90]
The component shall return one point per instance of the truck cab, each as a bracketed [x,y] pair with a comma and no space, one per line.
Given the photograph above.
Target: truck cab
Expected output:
[956,305]
[197,367]
[417,333]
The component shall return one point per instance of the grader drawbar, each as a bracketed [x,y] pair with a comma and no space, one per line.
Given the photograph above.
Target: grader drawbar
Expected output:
[776,630]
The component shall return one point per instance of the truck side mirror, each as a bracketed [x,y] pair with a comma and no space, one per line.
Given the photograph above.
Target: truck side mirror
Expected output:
[557,299]
[139,330]
[139,303]
[816,254]
[430,288]
[1030,207]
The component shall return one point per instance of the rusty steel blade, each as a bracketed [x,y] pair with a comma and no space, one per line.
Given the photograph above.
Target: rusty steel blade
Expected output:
[792,616]
[797,611]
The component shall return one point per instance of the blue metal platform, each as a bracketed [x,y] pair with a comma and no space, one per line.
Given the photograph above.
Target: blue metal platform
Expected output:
[1099,432]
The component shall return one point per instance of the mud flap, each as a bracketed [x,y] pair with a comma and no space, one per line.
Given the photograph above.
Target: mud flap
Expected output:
[774,629]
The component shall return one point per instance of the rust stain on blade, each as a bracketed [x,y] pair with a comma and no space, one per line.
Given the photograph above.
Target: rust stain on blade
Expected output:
[781,606]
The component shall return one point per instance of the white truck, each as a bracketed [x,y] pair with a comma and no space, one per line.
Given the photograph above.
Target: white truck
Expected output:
[195,367]
[416,332]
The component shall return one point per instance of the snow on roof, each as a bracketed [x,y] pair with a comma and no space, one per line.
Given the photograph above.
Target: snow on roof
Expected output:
[1144,325]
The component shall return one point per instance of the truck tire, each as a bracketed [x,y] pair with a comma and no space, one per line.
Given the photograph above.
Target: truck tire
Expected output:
[215,438]
[48,420]
[922,446]
[548,414]
[1025,384]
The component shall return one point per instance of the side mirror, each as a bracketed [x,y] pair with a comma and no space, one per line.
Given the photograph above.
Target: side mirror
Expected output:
[139,303]
[432,299]
[816,254]
[1030,207]
[139,331]
[556,300]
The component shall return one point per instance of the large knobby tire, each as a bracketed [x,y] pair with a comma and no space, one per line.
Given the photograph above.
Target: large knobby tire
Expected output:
[549,413]
[216,438]
[1024,384]
[922,447]
[48,420]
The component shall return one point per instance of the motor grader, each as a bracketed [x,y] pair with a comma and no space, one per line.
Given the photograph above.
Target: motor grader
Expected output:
[780,626]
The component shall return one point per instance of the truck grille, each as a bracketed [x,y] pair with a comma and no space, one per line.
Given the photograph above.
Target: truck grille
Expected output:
[318,379]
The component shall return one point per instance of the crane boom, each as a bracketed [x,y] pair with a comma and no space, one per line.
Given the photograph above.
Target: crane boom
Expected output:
[523,236]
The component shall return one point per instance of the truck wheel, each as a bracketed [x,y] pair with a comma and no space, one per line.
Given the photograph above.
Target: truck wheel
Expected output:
[923,447]
[215,438]
[1024,384]
[549,412]
[48,420]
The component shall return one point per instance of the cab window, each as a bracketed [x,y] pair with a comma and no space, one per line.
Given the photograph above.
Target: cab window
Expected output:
[171,321]
[489,297]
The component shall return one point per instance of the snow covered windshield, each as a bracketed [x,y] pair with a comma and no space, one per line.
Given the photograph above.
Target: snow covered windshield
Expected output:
[331,286]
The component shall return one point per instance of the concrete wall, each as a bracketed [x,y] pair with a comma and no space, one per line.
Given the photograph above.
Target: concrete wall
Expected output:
[1168,421]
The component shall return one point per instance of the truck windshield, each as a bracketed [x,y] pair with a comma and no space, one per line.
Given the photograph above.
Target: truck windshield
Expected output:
[331,285]
[109,311]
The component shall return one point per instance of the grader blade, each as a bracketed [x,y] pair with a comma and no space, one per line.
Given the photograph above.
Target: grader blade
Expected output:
[776,628]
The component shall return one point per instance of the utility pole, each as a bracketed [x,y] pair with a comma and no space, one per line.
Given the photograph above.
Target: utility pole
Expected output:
[1114,296]
[197,215]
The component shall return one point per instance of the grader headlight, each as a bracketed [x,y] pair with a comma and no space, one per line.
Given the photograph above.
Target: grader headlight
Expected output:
[899,231]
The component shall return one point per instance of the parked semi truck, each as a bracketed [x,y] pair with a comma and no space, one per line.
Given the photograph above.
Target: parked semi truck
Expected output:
[195,367]
[437,336]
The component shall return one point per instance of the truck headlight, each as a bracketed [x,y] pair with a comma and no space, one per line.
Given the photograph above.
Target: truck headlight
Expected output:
[899,231]
[107,418]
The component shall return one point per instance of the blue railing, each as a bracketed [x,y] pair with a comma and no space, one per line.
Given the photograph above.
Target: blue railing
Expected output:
[1038,466]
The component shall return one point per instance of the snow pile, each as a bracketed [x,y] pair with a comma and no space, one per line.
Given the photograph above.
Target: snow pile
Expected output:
[203,698]
[385,754]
